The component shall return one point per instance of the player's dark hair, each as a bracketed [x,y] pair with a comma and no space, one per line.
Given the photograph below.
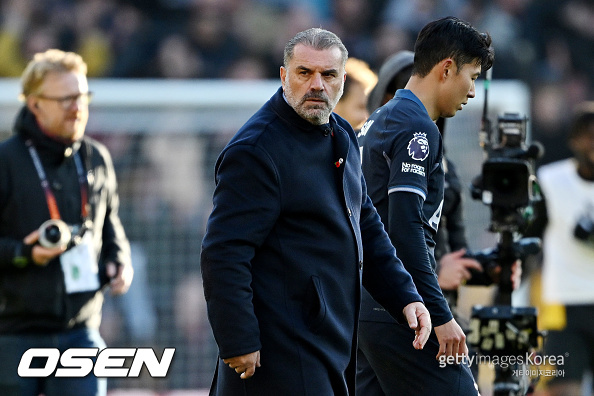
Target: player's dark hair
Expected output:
[451,37]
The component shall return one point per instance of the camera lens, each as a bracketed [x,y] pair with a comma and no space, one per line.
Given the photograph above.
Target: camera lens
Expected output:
[506,184]
[53,234]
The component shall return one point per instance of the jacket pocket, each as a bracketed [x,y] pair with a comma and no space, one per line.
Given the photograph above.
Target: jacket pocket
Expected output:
[315,305]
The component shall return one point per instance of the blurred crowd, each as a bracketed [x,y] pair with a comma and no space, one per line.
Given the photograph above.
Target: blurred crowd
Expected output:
[545,43]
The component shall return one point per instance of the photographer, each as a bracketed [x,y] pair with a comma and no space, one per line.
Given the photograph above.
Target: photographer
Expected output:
[568,251]
[51,277]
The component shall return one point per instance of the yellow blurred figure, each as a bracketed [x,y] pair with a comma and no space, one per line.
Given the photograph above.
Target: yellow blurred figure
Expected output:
[360,80]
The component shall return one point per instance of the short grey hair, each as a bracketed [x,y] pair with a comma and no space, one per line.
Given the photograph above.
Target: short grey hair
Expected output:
[317,38]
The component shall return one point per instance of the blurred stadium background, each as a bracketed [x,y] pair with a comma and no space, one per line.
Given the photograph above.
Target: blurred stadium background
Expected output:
[174,79]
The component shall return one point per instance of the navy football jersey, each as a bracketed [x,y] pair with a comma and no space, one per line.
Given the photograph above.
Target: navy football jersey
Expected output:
[403,151]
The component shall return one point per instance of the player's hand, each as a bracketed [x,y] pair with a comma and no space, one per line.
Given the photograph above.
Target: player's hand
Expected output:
[244,365]
[452,340]
[419,320]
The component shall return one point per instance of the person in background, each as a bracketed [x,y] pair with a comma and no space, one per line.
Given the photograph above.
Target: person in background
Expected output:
[403,166]
[352,105]
[566,222]
[52,277]
[291,237]
[393,75]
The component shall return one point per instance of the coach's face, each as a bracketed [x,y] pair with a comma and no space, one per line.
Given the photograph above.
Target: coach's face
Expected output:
[313,82]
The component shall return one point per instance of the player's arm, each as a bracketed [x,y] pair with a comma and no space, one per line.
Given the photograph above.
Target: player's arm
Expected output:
[407,235]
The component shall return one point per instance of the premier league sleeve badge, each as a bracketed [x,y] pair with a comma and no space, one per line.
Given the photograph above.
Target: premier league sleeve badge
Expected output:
[418,147]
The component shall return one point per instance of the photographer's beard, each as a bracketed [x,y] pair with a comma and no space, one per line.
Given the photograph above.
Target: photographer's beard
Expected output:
[317,112]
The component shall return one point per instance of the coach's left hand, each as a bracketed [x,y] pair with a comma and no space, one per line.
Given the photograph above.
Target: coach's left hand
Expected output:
[419,320]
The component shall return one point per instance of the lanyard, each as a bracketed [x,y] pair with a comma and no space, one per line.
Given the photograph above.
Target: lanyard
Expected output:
[49,194]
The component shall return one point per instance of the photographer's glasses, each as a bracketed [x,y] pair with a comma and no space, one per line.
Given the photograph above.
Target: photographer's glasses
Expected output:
[66,102]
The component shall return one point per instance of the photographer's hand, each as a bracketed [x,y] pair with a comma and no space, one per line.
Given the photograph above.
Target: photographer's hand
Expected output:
[120,277]
[454,269]
[39,254]
[516,273]
[452,340]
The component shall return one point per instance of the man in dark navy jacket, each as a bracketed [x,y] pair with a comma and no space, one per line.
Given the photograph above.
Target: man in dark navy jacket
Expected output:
[292,236]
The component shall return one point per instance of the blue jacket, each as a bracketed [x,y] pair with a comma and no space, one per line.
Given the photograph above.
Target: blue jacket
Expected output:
[282,258]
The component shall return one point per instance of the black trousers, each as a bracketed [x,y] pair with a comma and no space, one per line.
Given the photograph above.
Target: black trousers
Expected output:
[386,352]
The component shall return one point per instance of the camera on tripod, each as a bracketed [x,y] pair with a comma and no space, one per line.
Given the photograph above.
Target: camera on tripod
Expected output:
[509,187]
[507,182]
[56,233]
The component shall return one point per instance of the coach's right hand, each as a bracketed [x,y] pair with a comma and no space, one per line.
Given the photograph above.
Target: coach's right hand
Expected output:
[244,365]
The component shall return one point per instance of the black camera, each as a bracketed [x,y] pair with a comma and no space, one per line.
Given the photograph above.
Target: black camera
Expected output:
[56,233]
[507,182]
[584,229]
[490,258]
[508,185]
